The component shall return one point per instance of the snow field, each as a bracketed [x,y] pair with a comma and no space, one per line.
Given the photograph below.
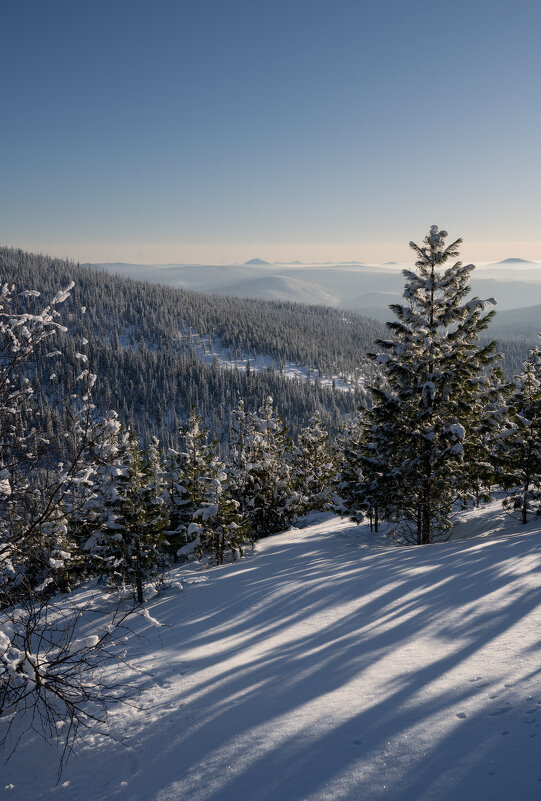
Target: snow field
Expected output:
[328,665]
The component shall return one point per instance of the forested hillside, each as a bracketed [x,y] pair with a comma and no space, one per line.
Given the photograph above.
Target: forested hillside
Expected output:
[159,351]
[152,347]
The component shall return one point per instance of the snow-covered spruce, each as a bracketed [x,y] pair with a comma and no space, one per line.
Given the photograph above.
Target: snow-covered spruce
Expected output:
[428,404]
[50,682]
[125,544]
[314,466]
[37,492]
[261,474]
[523,443]
[204,517]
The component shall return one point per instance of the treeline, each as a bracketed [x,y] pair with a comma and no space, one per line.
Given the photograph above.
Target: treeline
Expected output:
[154,391]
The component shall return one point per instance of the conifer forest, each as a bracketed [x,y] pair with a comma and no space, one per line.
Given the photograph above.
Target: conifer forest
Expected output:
[128,448]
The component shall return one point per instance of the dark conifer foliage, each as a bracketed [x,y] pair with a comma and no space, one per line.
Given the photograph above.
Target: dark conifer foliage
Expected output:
[148,344]
[522,451]
[427,425]
[314,466]
[262,480]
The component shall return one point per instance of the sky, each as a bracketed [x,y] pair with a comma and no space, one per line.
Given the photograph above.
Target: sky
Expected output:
[216,131]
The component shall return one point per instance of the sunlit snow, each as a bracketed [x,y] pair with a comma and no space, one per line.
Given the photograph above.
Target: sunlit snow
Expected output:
[328,664]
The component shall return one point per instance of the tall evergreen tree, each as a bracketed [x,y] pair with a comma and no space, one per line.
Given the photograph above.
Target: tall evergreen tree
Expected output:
[261,475]
[204,517]
[187,474]
[314,468]
[523,445]
[126,543]
[485,447]
[425,408]
[359,470]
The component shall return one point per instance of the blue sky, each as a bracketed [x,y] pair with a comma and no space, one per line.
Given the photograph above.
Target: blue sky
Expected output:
[308,129]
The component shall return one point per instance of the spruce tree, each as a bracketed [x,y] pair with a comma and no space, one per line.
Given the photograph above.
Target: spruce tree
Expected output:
[187,474]
[314,468]
[261,475]
[523,445]
[485,447]
[426,405]
[204,517]
[356,489]
[127,541]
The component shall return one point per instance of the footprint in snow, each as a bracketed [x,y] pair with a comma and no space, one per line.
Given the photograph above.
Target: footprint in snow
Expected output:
[357,742]
[461,715]
[476,678]
[501,711]
[505,733]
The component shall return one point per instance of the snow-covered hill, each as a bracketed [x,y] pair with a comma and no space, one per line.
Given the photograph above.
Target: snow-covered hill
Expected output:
[367,289]
[328,665]
[279,287]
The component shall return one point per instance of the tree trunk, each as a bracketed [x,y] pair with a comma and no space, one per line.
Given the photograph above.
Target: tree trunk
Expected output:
[138,582]
[525,503]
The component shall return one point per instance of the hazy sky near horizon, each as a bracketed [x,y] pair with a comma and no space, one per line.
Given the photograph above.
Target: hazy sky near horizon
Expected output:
[221,130]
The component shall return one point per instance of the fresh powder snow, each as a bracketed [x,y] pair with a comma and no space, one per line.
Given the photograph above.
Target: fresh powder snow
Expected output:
[327,665]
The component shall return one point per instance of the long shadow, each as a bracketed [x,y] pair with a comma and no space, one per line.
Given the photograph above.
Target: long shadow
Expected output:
[311,672]
[277,679]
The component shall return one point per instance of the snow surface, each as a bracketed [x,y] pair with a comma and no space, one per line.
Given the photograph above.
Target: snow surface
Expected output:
[327,665]
[211,351]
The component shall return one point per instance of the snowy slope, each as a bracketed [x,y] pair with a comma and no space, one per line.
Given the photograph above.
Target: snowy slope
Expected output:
[279,287]
[329,666]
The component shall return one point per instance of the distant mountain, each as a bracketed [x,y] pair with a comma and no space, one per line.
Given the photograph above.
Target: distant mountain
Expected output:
[279,287]
[355,263]
[514,282]
[522,268]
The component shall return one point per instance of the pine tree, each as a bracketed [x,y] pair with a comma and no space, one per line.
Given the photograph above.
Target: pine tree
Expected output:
[486,445]
[261,475]
[354,492]
[426,407]
[314,468]
[126,543]
[204,517]
[187,474]
[523,444]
